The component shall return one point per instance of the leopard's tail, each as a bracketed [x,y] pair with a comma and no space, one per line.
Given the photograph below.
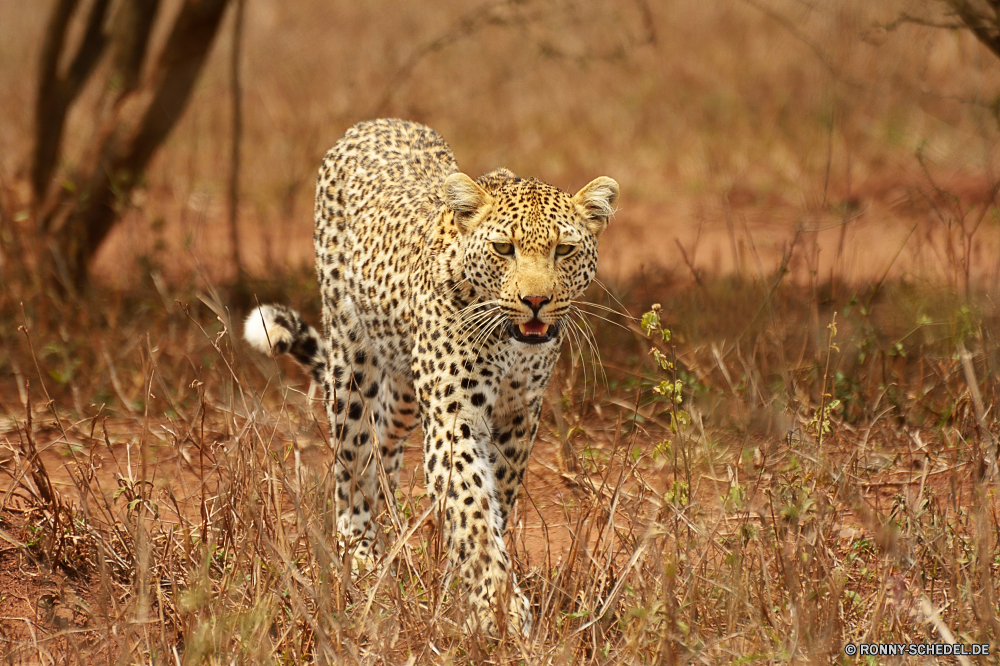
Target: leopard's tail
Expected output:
[275,329]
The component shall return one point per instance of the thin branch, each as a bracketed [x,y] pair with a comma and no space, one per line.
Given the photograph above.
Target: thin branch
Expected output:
[985,28]
[909,19]
[505,14]
[467,25]
[825,58]
[236,100]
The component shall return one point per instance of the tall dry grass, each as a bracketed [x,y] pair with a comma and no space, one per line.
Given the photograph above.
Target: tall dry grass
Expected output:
[814,487]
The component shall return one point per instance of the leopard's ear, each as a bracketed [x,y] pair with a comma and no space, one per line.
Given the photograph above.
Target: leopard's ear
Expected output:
[466,199]
[596,202]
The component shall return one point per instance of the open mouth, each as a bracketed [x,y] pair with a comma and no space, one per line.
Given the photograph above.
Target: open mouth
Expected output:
[533,332]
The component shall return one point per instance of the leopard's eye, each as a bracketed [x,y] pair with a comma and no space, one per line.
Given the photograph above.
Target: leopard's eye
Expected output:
[562,250]
[505,249]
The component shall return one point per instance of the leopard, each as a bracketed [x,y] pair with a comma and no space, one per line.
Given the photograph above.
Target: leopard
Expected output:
[446,301]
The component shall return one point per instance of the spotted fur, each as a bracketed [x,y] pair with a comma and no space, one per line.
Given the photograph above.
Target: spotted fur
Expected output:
[445,302]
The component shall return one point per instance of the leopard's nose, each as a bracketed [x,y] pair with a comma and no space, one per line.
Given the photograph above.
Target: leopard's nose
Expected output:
[535,302]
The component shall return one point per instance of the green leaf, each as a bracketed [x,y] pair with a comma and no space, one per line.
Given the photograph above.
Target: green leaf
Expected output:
[661,359]
[679,420]
[662,450]
[650,322]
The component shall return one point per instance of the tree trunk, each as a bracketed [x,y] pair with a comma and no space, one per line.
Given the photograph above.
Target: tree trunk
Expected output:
[135,120]
[56,93]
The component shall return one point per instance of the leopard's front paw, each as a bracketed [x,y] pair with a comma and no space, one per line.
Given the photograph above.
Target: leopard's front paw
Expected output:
[519,614]
[363,560]
[487,620]
[363,555]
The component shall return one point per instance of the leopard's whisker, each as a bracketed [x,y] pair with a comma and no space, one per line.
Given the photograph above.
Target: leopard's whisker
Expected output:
[477,328]
[596,362]
[473,315]
[481,334]
[478,301]
[583,361]
[477,304]
[574,336]
[456,286]
[605,308]
[489,332]
[613,323]
[477,321]
[570,327]
[478,308]
[608,292]
[588,335]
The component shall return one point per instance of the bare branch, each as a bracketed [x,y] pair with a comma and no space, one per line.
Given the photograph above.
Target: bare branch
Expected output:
[505,14]
[794,30]
[982,18]
[466,26]
[908,19]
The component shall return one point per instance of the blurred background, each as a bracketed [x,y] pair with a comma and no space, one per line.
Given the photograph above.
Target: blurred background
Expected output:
[852,128]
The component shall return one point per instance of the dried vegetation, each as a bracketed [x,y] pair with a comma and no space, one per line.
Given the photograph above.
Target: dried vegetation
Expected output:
[807,460]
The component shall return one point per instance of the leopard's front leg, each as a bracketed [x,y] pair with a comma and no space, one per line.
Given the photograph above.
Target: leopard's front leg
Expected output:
[460,479]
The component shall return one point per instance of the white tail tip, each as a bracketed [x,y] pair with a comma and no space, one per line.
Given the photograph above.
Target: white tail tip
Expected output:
[262,332]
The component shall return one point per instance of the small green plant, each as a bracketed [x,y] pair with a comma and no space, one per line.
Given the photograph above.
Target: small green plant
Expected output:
[670,390]
[136,493]
[678,494]
[820,422]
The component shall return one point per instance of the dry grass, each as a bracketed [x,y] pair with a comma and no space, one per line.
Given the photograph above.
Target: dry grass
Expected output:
[785,166]
[185,516]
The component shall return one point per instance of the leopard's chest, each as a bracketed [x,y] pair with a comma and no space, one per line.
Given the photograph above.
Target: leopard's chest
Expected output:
[525,377]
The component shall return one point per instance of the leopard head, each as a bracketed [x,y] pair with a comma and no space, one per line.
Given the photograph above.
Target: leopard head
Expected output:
[528,249]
